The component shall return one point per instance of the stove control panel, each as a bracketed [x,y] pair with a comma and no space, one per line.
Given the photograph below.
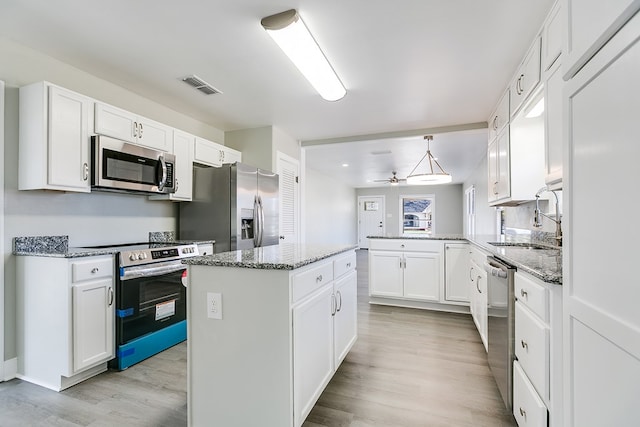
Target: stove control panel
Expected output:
[143,256]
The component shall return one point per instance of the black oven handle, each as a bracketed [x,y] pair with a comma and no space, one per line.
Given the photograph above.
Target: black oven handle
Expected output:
[157,269]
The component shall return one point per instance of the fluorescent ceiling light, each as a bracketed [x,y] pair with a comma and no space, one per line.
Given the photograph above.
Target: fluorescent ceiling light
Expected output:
[430,178]
[291,34]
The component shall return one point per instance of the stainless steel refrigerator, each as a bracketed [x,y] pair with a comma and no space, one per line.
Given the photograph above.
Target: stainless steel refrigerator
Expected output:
[236,205]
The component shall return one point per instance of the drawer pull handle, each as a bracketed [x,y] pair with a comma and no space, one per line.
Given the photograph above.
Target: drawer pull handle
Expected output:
[348,265]
[524,293]
[402,246]
[524,344]
[319,279]
[94,270]
[523,413]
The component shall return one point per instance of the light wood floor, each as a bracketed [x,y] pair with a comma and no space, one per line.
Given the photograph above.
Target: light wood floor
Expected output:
[408,368]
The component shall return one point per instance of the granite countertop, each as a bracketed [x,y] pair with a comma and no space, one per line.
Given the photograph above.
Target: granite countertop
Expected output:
[58,247]
[544,261]
[285,256]
[423,237]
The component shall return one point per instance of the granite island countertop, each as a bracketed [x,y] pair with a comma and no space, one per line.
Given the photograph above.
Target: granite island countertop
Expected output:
[544,261]
[285,256]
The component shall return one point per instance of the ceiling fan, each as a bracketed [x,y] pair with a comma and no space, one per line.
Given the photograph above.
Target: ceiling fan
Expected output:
[394,180]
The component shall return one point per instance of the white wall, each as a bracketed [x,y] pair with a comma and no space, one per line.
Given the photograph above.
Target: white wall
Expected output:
[330,209]
[96,218]
[448,205]
[255,145]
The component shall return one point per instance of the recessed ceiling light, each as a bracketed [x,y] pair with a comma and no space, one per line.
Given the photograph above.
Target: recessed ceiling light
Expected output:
[345,165]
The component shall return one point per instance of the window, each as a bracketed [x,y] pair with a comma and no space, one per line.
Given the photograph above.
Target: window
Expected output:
[417,214]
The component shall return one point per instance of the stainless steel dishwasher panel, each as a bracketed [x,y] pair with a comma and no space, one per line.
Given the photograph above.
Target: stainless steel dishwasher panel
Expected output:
[501,325]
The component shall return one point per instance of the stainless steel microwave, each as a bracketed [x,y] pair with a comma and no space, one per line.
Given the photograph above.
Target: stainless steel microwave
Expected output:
[120,166]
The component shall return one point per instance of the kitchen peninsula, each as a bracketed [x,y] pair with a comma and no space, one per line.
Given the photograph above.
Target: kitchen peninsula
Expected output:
[267,329]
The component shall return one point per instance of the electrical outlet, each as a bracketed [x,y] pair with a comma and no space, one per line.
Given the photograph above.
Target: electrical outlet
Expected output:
[214,305]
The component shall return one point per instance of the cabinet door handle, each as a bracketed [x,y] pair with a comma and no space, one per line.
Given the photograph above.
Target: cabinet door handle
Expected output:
[135,129]
[319,279]
[524,345]
[94,270]
[85,172]
[495,123]
[523,413]
[110,296]
[478,284]
[139,130]
[333,305]
[339,295]
[177,184]
[524,294]
[519,88]
[471,274]
[495,188]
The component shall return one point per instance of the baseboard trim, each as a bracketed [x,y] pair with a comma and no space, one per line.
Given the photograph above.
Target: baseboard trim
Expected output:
[10,369]
[424,305]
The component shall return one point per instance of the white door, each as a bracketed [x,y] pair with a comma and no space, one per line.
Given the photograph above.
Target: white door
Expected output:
[289,171]
[370,218]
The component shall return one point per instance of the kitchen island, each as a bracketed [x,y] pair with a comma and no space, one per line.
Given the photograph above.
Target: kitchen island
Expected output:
[267,329]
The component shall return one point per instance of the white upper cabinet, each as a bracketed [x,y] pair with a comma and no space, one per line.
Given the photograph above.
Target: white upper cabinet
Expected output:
[54,139]
[212,154]
[117,123]
[500,118]
[590,24]
[527,77]
[183,146]
[553,129]
[552,37]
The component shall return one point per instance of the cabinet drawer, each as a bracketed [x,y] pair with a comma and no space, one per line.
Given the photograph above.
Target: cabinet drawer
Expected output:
[343,264]
[309,280]
[406,245]
[528,408]
[534,295]
[477,255]
[91,269]
[532,348]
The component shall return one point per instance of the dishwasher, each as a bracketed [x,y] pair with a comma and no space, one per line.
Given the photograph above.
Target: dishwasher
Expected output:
[501,325]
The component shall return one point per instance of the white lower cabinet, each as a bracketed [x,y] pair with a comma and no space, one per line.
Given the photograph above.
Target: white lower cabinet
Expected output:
[65,318]
[313,360]
[528,408]
[479,300]
[537,390]
[324,330]
[456,261]
[406,269]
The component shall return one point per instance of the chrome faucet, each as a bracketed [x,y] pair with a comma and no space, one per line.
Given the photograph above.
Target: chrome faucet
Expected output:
[537,215]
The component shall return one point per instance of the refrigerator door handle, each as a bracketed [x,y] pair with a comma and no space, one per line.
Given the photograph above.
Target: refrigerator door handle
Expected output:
[256,222]
[261,231]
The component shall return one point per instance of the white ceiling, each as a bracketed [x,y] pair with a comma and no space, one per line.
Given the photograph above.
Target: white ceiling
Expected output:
[407,66]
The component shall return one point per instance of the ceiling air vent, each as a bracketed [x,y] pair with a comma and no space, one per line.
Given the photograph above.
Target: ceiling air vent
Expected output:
[201,85]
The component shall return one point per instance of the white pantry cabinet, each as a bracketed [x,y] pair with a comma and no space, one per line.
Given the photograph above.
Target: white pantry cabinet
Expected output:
[601,292]
[65,318]
[54,141]
[126,126]
[457,279]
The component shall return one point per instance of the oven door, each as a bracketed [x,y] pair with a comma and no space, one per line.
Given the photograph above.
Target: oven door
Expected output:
[149,299]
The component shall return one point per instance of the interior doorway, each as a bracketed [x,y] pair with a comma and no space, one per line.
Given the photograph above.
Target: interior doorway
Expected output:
[371,214]
[288,170]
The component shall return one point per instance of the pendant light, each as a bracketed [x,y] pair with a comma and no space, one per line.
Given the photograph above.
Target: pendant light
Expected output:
[431,178]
